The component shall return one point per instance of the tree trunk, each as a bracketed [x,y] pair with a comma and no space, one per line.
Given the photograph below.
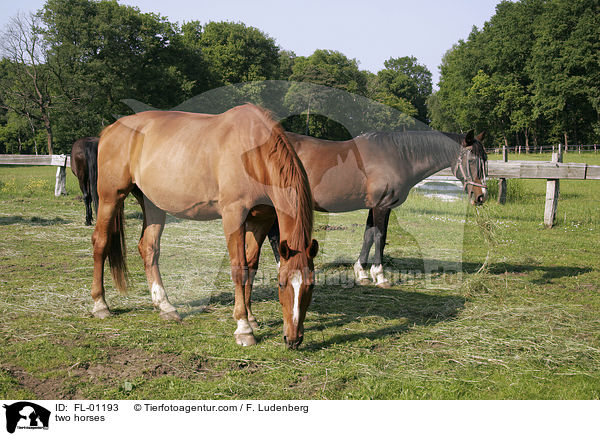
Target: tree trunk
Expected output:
[48,127]
[566,143]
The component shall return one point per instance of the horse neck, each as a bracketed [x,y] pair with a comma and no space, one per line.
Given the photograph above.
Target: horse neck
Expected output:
[443,153]
[290,194]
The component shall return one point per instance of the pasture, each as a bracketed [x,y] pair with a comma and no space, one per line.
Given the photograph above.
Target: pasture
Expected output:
[525,327]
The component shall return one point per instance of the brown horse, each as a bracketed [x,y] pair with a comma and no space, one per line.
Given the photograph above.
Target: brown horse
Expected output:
[238,166]
[376,171]
[84,165]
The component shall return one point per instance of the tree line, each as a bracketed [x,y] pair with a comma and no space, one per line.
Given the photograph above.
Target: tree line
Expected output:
[529,76]
[66,68]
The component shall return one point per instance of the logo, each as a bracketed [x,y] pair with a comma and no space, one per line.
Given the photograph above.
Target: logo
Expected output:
[26,415]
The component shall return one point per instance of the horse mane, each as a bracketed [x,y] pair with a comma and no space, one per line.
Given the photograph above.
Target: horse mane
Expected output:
[425,144]
[286,170]
[418,145]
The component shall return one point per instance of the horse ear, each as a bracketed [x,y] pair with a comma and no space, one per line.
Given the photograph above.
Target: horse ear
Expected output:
[284,250]
[468,141]
[312,249]
[480,136]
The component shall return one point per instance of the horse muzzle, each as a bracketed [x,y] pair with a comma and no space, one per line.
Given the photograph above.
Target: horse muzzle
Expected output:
[293,344]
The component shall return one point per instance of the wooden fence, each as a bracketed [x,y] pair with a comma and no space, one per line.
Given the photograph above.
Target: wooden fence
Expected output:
[552,171]
[58,160]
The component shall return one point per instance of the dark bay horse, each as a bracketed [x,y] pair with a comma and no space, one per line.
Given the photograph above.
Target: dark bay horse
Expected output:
[376,171]
[239,166]
[84,165]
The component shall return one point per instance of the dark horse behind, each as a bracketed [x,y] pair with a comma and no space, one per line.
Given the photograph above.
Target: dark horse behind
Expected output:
[84,164]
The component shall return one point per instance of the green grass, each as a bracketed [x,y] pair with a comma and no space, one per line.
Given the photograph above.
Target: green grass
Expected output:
[527,327]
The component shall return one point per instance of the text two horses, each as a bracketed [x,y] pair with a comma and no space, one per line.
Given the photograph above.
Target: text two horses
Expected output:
[239,166]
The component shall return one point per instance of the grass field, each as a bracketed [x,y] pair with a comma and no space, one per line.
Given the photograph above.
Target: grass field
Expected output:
[526,327]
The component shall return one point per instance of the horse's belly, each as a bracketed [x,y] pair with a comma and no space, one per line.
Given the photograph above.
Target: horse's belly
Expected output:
[339,203]
[199,212]
[184,203]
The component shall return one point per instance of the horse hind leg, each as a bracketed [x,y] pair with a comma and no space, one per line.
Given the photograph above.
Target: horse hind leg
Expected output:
[359,273]
[380,221]
[149,248]
[101,240]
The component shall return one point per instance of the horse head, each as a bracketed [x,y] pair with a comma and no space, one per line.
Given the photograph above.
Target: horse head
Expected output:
[471,167]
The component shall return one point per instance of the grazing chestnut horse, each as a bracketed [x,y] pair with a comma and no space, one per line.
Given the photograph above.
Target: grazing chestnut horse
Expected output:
[376,171]
[239,166]
[85,166]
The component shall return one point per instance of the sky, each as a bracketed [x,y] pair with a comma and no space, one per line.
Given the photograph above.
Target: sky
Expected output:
[370,31]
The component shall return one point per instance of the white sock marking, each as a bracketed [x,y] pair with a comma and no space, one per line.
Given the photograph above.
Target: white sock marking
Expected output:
[359,272]
[243,327]
[159,298]
[296,281]
[377,274]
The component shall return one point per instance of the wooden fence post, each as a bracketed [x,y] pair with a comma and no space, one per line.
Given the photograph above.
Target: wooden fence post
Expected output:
[552,192]
[61,180]
[502,182]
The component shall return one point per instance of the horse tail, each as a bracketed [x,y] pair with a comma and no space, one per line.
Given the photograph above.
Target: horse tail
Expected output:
[91,157]
[116,252]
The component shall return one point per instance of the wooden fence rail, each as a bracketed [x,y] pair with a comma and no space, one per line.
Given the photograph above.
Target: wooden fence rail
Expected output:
[551,171]
[518,169]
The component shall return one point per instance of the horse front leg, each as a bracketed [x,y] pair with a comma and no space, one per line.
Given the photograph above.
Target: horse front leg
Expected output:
[380,220]
[239,273]
[256,232]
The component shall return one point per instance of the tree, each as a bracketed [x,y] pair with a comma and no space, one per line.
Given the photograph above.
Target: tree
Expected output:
[565,67]
[101,52]
[532,70]
[404,80]
[25,87]
[330,69]
[237,53]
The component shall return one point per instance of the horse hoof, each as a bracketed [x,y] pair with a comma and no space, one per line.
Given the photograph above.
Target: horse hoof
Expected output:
[385,284]
[254,324]
[101,314]
[245,339]
[173,315]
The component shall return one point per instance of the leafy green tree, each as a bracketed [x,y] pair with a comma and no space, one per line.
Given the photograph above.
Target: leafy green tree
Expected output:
[565,67]
[102,52]
[532,70]
[333,70]
[404,80]
[237,53]
[26,80]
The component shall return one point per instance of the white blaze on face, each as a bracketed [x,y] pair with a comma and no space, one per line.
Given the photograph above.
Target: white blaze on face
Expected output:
[296,281]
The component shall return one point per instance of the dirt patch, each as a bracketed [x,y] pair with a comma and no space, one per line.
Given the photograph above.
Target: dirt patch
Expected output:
[121,364]
[128,364]
[43,389]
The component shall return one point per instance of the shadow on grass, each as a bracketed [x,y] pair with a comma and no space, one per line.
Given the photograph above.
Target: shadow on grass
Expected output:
[32,221]
[382,312]
[450,267]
